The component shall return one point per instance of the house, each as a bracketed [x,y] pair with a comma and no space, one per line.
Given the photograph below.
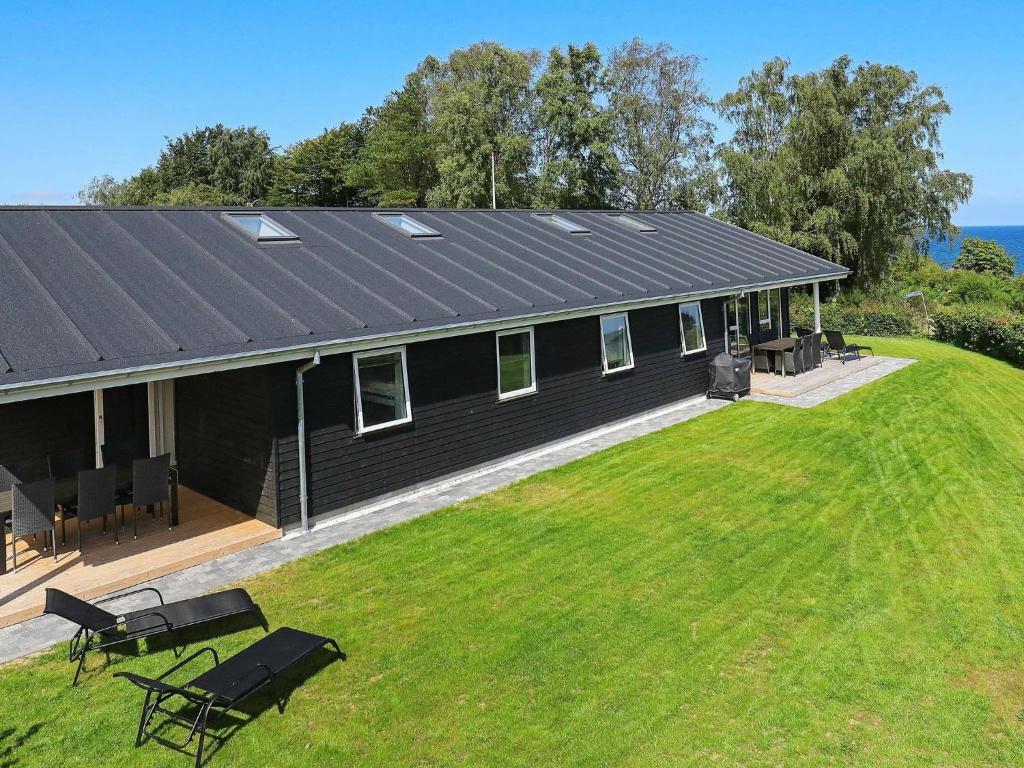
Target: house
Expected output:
[296,362]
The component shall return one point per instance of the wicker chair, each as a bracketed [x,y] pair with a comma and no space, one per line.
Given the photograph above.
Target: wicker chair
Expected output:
[33,507]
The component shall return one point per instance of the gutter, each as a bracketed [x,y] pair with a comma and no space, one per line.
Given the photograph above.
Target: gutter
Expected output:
[301,432]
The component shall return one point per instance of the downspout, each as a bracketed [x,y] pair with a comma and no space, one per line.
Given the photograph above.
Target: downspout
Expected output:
[301,431]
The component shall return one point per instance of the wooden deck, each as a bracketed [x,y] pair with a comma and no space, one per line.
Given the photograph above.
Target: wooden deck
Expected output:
[831,370]
[207,529]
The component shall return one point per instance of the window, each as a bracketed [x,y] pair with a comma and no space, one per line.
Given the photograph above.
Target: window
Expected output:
[630,223]
[407,224]
[261,227]
[737,320]
[382,389]
[563,224]
[616,351]
[516,373]
[691,328]
[764,308]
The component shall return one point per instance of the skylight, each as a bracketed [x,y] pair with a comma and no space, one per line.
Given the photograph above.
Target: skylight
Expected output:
[407,224]
[260,226]
[564,224]
[630,223]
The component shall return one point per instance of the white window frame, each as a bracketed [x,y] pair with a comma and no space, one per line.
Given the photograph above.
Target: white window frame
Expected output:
[532,389]
[356,357]
[682,336]
[604,352]
[764,322]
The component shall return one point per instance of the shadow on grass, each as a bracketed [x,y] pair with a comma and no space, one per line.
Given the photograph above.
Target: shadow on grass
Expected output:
[11,741]
[222,727]
[173,641]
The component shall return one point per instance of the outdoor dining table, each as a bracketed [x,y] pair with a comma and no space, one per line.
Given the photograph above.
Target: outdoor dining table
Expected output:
[66,492]
[778,346]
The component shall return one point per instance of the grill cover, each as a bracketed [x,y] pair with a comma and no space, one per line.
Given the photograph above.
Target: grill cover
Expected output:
[728,375]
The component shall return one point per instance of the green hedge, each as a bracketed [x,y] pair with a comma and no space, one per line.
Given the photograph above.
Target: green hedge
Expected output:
[869,318]
[998,334]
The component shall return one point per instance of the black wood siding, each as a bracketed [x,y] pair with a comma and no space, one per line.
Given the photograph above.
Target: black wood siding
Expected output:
[458,420]
[224,438]
[35,429]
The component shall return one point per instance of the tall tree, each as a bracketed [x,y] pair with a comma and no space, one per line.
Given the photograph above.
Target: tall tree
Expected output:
[843,163]
[396,165]
[315,171]
[479,101]
[242,161]
[662,138]
[578,167]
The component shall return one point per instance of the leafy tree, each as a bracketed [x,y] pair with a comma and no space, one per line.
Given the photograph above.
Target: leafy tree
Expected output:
[141,189]
[479,101]
[843,163]
[984,257]
[242,161]
[661,137]
[578,167]
[314,172]
[396,165]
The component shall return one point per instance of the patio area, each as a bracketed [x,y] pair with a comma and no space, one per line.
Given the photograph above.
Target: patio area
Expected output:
[831,370]
[207,529]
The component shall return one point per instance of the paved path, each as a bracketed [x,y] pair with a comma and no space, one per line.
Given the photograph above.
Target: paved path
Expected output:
[38,634]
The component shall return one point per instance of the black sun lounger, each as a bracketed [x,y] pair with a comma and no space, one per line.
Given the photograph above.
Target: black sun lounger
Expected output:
[98,628]
[227,683]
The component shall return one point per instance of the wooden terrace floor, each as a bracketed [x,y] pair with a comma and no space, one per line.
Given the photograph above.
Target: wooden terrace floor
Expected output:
[831,370]
[206,530]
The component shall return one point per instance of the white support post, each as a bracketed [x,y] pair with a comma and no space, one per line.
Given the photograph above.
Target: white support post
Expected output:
[155,420]
[97,422]
[817,309]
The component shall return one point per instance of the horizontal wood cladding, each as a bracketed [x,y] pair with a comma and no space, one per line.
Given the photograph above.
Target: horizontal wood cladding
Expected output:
[35,429]
[458,420]
[224,437]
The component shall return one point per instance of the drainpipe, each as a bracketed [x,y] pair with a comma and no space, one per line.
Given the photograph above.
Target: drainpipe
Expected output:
[303,491]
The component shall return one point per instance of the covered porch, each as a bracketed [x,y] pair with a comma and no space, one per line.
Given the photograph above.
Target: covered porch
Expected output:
[217,487]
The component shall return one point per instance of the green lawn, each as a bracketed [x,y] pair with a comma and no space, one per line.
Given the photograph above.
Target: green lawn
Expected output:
[763,585]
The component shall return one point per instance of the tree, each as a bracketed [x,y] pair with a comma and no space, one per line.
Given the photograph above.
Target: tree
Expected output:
[479,101]
[315,171]
[396,165]
[141,189]
[984,257]
[843,163]
[578,167]
[661,137]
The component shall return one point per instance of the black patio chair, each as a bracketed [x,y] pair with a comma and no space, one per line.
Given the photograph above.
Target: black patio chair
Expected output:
[801,331]
[69,463]
[808,350]
[226,684]
[33,511]
[837,344]
[816,347]
[761,358]
[151,485]
[101,629]
[793,359]
[97,497]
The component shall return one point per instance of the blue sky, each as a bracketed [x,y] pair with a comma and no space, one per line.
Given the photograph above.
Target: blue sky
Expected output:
[91,88]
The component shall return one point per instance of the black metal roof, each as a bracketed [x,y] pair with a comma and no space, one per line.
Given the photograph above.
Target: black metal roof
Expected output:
[91,290]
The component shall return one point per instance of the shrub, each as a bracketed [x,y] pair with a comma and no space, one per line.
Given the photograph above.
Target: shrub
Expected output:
[984,257]
[999,334]
[867,317]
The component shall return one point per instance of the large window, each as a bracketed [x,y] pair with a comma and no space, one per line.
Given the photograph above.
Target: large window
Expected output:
[764,308]
[382,389]
[691,328]
[616,351]
[737,319]
[516,373]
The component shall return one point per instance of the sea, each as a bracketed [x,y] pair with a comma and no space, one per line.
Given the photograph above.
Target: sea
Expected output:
[1010,237]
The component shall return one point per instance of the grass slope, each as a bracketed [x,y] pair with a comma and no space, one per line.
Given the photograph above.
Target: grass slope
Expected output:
[760,586]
